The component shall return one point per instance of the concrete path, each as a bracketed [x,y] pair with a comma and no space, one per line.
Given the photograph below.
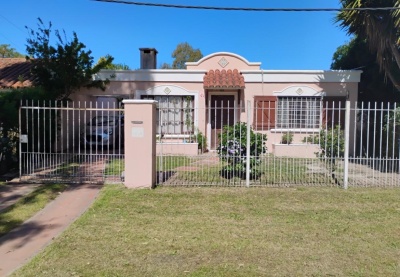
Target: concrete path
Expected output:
[23,243]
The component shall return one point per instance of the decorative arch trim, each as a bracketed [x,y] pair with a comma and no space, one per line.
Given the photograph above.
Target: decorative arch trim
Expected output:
[304,91]
[165,90]
[223,54]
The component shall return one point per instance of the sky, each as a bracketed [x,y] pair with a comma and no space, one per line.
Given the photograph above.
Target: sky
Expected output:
[279,40]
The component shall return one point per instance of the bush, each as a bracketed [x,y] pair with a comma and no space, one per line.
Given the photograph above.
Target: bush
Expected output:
[202,142]
[287,138]
[331,142]
[233,149]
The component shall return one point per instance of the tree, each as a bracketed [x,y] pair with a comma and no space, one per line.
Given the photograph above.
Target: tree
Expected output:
[356,55]
[7,52]
[65,67]
[381,30]
[166,66]
[183,53]
[114,66]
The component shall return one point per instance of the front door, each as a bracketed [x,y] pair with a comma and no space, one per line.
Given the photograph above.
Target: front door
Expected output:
[222,113]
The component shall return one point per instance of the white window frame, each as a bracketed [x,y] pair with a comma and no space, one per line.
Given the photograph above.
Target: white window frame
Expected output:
[298,113]
[173,90]
[298,92]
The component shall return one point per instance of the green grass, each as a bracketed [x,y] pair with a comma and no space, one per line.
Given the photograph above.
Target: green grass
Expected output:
[115,167]
[167,163]
[27,206]
[273,171]
[229,232]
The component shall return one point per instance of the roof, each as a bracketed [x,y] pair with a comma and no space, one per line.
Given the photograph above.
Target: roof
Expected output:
[15,73]
[230,79]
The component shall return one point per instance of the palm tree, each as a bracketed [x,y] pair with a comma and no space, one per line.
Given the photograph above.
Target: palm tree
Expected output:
[379,27]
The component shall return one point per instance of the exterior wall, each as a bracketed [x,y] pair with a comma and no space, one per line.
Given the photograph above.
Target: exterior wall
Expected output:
[295,150]
[216,60]
[132,84]
[179,148]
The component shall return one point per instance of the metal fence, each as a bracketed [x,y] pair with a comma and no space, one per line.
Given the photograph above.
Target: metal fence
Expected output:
[275,143]
[291,142]
[71,142]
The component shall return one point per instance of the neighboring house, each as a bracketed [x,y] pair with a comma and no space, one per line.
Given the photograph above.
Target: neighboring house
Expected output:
[15,73]
[216,89]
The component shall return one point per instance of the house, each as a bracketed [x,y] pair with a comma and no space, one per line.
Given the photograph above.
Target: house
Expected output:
[216,90]
[15,73]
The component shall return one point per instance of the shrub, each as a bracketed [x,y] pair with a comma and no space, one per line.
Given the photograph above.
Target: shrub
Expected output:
[202,141]
[287,138]
[331,142]
[233,149]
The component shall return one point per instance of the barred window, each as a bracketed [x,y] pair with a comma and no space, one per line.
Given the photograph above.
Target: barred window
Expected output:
[298,112]
[175,114]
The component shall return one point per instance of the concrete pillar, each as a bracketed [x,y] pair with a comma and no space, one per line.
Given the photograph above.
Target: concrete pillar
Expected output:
[140,143]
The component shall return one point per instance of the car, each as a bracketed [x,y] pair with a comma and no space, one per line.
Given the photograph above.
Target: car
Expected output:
[103,131]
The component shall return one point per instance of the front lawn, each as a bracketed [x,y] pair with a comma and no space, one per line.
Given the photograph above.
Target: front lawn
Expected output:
[229,232]
[28,205]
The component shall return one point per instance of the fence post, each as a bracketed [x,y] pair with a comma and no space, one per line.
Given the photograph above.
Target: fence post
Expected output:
[346,145]
[140,143]
[248,145]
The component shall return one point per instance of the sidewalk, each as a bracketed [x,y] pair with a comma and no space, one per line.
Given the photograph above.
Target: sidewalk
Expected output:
[24,242]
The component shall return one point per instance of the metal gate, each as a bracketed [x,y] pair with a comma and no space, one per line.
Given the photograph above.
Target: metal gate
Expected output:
[71,142]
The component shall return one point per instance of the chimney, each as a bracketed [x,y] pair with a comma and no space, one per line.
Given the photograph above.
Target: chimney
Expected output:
[148,58]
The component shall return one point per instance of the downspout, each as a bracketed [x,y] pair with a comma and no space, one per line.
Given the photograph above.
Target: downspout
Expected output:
[262,82]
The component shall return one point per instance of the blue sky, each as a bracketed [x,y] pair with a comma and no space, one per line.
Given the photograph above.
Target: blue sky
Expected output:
[279,40]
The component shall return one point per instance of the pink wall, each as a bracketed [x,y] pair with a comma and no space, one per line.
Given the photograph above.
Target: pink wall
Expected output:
[258,82]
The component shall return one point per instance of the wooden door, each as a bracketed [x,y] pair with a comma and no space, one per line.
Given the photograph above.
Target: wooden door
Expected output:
[222,113]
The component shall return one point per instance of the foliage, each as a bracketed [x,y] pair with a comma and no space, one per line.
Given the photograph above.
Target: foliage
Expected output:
[166,66]
[202,141]
[41,138]
[356,55]
[311,139]
[7,52]
[64,67]
[287,138]
[379,28]
[9,119]
[331,142]
[113,66]
[183,53]
[232,148]
[391,134]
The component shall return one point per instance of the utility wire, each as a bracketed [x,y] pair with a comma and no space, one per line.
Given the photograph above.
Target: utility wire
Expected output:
[249,9]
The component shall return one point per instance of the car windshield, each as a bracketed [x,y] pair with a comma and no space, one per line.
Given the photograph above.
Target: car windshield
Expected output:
[103,121]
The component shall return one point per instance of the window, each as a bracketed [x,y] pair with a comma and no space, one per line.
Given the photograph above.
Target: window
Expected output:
[298,112]
[175,114]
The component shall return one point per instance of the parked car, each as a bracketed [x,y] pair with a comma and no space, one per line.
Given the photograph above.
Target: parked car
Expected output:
[103,130]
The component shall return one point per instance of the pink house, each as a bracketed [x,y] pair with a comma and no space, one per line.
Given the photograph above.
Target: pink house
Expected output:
[216,90]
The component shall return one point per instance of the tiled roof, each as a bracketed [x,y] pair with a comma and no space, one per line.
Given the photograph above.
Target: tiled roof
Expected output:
[15,73]
[223,79]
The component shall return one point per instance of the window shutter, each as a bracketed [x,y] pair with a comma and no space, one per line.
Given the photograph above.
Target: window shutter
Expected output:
[334,111]
[264,112]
